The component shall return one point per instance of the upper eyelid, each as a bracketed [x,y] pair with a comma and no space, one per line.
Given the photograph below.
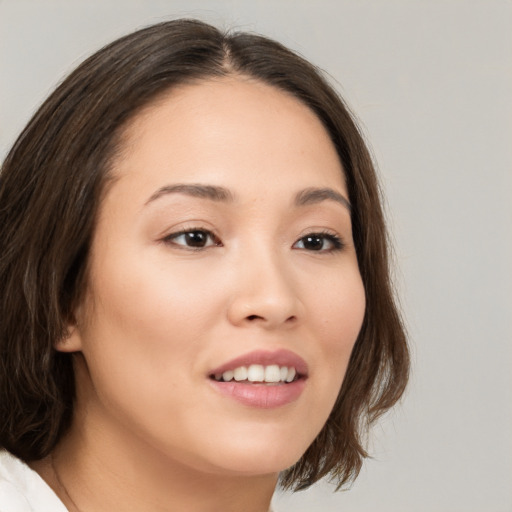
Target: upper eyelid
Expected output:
[187,229]
[328,232]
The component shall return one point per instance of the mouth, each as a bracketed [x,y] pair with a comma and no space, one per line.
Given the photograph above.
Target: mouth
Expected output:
[256,373]
[262,379]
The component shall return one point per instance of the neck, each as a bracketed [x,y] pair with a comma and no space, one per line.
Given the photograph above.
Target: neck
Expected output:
[94,472]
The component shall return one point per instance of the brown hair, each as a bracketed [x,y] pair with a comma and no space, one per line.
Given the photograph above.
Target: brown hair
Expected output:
[51,184]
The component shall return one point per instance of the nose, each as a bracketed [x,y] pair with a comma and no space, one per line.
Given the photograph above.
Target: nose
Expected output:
[265,294]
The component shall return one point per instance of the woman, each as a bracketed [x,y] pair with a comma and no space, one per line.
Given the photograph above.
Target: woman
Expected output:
[195,287]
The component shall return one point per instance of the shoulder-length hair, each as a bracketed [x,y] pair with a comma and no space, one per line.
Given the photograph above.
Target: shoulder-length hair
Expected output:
[51,185]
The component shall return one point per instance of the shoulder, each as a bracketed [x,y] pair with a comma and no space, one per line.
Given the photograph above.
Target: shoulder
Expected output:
[23,490]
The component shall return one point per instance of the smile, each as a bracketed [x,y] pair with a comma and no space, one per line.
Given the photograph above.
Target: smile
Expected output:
[262,379]
[272,374]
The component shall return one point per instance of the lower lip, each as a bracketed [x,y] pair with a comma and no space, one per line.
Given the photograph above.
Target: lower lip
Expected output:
[263,396]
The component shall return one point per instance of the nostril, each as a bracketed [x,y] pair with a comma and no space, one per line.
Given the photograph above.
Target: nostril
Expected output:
[252,318]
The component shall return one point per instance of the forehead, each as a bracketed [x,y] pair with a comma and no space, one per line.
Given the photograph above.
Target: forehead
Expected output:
[232,128]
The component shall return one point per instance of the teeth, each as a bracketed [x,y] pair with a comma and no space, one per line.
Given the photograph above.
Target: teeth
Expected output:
[228,375]
[291,374]
[271,374]
[256,373]
[240,373]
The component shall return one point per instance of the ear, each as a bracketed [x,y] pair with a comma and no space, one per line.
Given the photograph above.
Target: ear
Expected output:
[71,341]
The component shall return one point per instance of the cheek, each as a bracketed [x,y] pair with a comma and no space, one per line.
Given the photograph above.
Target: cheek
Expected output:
[340,314]
[154,299]
[139,346]
[340,309]
[143,325]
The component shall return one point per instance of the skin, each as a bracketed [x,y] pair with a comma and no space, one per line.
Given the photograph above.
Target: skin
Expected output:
[150,432]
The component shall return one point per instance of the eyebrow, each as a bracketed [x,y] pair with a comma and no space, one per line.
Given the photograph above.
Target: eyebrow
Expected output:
[212,192]
[310,196]
[306,197]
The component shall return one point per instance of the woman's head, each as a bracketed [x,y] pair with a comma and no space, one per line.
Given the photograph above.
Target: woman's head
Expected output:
[118,138]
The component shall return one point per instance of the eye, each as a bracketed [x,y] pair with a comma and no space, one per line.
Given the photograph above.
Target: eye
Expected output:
[193,238]
[319,242]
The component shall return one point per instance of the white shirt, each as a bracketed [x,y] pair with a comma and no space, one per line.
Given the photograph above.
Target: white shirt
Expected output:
[23,490]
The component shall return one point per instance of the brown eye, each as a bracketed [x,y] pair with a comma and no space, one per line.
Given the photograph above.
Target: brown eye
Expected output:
[193,238]
[320,242]
[313,243]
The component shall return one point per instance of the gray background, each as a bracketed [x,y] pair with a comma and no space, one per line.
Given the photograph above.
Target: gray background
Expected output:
[431,82]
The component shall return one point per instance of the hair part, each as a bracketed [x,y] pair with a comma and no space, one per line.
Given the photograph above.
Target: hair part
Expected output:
[51,186]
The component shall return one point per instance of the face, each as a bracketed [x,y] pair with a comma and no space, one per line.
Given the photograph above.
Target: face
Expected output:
[224,295]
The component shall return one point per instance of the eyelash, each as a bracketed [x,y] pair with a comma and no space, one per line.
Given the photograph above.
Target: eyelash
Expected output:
[335,240]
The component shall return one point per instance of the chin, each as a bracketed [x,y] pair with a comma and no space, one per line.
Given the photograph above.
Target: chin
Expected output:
[250,465]
[258,455]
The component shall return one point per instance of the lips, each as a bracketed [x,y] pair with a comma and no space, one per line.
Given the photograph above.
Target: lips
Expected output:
[263,379]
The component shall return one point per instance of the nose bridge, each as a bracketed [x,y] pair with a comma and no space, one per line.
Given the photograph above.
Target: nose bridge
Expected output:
[265,290]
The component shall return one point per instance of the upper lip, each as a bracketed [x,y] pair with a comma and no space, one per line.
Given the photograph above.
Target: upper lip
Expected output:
[265,358]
